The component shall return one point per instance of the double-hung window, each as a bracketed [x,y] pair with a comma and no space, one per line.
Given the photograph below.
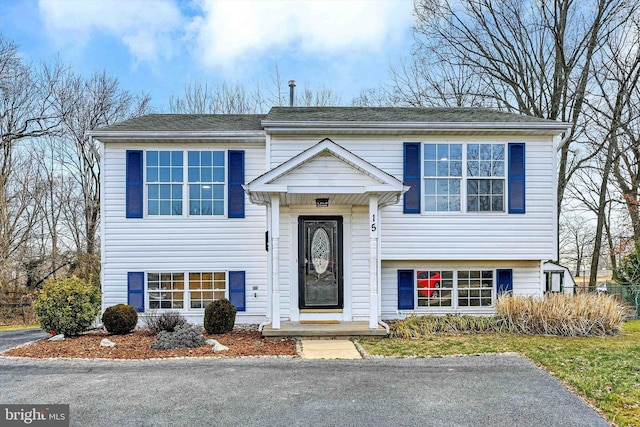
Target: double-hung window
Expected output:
[443,174]
[485,177]
[206,182]
[204,288]
[164,182]
[167,177]
[464,177]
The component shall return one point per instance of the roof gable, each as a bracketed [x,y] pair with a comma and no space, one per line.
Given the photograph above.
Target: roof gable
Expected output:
[315,154]
[326,168]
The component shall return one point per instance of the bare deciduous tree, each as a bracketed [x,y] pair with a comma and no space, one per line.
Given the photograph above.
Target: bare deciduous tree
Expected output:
[25,112]
[91,103]
[535,58]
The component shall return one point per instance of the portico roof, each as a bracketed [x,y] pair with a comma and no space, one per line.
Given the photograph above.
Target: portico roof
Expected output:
[326,170]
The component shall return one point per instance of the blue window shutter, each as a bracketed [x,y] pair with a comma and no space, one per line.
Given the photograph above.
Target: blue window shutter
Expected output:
[412,177]
[134,184]
[517,195]
[405,289]
[236,179]
[135,290]
[504,281]
[237,289]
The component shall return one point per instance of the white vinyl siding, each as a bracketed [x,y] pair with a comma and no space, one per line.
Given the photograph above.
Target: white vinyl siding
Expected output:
[443,236]
[197,243]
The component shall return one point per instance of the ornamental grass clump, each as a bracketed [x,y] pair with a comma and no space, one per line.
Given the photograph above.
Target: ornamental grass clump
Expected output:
[562,315]
[120,319]
[422,326]
[184,336]
[67,306]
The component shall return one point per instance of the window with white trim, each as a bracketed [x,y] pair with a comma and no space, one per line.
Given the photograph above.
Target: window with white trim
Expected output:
[164,172]
[204,288]
[435,288]
[204,177]
[485,194]
[475,288]
[206,182]
[442,177]
[471,172]
[165,290]
[455,288]
[190,290]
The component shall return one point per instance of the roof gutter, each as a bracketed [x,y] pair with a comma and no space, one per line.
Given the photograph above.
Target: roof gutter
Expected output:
[550,125]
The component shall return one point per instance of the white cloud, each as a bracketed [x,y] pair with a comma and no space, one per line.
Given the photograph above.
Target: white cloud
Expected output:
[232,31]
[145,27]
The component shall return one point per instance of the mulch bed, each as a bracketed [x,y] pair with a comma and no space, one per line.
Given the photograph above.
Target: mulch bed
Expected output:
[137,345]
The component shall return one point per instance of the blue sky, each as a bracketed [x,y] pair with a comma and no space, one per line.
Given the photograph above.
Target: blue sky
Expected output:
[159,46]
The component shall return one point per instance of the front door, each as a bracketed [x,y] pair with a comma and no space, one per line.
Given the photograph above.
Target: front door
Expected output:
[320,262]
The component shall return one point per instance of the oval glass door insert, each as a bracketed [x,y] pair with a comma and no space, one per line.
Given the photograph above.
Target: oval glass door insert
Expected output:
[320,250]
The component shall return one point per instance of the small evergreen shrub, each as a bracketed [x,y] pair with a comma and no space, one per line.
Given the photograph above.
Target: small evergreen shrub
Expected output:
[165,321]
[120,319]
[184,336]
[67,306]
[219,316]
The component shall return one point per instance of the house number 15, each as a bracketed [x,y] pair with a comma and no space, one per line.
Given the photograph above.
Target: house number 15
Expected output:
[373,223]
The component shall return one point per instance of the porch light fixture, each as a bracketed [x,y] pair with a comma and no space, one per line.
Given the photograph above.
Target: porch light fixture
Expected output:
[322,203]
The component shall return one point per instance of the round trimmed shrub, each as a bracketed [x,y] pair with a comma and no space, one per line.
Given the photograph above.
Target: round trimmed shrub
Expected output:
[120,319]
[219,316]
[67,306]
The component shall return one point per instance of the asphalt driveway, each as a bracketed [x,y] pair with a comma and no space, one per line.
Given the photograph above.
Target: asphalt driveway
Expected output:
[496,390]
[10,339]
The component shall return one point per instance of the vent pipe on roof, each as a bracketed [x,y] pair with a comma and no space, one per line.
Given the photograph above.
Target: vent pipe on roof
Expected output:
[292,85]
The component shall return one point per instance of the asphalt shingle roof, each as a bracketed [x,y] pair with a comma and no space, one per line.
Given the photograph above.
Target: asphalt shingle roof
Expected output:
[396,114]
[189,122]
[253,122]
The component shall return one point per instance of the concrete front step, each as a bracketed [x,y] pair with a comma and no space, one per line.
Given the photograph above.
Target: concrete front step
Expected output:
[316,330]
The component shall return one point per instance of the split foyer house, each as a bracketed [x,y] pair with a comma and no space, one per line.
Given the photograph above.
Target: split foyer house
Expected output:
[328,214]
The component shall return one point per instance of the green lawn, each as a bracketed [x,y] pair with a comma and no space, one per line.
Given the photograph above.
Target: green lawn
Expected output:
[604,370]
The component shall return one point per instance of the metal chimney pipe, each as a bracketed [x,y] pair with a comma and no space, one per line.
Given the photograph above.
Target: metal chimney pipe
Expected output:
[292,85]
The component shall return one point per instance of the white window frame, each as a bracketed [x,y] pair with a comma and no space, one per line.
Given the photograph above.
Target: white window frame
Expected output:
[185,186]
[186,300]
[464,179]
[455,290]
[213,183]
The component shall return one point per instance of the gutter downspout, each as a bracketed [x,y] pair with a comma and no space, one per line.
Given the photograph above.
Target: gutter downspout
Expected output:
[384,325]
[268,322]
[269,272]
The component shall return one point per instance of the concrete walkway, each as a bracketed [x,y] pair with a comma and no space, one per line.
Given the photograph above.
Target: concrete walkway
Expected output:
[329,349]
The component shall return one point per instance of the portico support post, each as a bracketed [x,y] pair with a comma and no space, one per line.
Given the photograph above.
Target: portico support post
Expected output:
[275,267]
[373,261]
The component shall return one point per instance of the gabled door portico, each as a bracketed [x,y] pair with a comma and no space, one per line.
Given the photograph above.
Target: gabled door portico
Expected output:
[323,280]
